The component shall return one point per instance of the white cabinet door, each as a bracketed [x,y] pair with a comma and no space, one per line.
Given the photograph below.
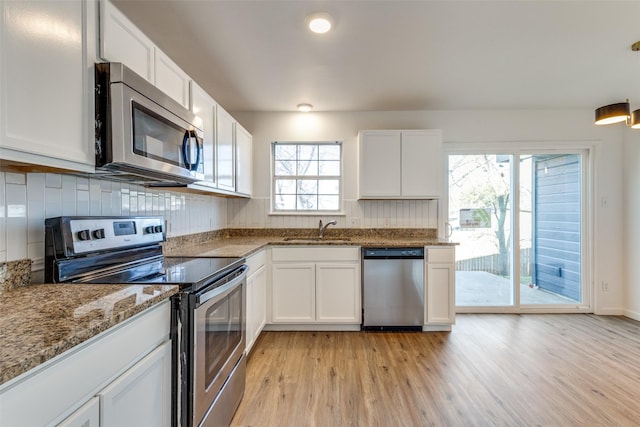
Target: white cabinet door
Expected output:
[256,304]
[338,293]
[46,90]
[122,41]
[421,163]
[260,301]
[244,162]
[379,164]
[293,287]
[170,78]
[395,164]
[225,155]
[440,284]
[142,395]
[203,106]
[88,415]
[318,285]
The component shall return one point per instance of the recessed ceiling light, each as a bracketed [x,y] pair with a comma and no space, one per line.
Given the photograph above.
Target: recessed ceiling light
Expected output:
[305,108]
[319,22]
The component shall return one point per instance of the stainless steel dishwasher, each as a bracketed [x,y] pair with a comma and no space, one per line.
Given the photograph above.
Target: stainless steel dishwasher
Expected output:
[393,288]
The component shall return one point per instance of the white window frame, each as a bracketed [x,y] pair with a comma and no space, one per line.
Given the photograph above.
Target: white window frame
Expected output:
[586,150]
[340,178]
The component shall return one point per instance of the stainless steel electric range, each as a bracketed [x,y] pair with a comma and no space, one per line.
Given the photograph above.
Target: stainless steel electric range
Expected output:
[208,315]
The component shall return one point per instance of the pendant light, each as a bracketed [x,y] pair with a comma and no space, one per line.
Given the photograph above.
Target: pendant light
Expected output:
[635,119]
[616,113]
[613,113]
[620,112]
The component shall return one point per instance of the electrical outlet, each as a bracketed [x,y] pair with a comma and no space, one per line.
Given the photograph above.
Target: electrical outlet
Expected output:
[605,286]
[355,222]
[387,222]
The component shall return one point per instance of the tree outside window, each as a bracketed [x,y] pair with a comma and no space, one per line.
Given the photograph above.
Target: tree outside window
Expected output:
[306,176]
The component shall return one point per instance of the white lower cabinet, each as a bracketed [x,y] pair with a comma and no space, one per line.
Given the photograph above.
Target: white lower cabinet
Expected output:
[87,416]
[316,285]
[121,377]
[256,297]
[294,292]
[338,292]
[142,395]
[440,273]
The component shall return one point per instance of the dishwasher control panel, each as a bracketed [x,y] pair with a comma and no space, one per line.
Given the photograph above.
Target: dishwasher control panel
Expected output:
[406,253]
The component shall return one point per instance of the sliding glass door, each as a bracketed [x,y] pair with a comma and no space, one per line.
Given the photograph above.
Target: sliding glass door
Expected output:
[519,220]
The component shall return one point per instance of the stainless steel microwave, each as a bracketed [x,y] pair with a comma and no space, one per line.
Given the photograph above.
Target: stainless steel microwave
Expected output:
[142,135]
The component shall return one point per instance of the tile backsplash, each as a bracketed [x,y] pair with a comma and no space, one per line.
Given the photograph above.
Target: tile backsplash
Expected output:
[26,199]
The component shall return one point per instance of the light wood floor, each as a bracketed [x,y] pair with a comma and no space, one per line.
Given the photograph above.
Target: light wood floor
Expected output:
[492,370]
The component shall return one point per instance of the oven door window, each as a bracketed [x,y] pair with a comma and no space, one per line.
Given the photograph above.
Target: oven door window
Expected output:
[223,333]
[160,139]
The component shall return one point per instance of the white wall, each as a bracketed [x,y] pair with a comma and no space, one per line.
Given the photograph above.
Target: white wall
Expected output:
[27,199]
[530,128]
[268,127]
[631,193]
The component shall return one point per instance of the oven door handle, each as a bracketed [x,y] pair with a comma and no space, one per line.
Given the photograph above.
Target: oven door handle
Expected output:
[220,292]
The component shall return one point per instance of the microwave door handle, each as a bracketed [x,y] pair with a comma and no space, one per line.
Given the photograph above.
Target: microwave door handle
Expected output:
[186,150]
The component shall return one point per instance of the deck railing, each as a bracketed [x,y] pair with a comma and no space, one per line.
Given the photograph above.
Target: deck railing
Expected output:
[491,263]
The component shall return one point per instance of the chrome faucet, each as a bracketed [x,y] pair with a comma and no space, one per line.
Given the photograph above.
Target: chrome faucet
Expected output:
[321,227]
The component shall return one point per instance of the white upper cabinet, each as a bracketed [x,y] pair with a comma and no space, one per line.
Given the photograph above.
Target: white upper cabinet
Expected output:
[244,161]
[380,164]
[171,79]
[227,148]
[399,164]
[421,163]
[225,153]
[46,83]
[122,41]
[203,106]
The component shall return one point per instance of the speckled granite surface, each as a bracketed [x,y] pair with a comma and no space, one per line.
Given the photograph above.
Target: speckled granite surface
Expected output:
[14,274]
[244,242]
[39,322]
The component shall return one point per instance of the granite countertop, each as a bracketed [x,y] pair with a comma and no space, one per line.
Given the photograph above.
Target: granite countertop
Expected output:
[244,242]
[39,322]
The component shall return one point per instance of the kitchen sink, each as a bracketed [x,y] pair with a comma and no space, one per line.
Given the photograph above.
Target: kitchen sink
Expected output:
[317,239]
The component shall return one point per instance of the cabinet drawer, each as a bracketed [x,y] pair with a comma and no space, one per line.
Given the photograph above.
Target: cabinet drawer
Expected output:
[440,254]
[256,260]
[315,254]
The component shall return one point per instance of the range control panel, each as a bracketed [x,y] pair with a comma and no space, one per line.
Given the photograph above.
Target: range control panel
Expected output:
[87,234]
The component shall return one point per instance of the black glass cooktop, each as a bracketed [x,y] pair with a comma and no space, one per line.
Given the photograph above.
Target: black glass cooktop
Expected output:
[178,271]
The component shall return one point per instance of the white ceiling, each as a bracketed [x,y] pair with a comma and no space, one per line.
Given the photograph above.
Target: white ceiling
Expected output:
[402,55]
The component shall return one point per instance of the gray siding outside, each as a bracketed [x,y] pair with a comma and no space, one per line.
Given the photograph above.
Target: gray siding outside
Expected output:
[557,224]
